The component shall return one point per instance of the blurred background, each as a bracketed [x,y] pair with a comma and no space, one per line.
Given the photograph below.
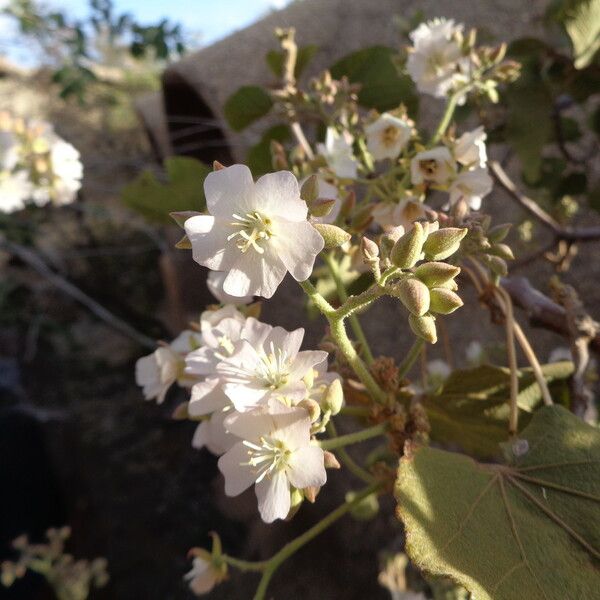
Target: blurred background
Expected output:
[130,84]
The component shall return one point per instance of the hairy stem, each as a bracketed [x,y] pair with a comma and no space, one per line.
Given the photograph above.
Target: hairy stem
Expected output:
[446,118]
[293,546]
[354,438]
[245,565]
[334,269]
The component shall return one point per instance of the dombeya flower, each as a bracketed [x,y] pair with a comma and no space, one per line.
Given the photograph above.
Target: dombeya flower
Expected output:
[387,136]
[471,186]
[274,453]
[470,150]
[337,151]
[255,232]
[432,166]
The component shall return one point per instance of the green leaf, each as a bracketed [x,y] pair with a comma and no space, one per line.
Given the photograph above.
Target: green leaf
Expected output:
[524,529]
[582,24]
[259,155]
[184,190]
[274,59]
[246,105]
[471,410]
[383,87]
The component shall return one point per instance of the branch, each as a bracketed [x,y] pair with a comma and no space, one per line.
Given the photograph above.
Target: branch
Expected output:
[541,310]
[37,264]
[569,234]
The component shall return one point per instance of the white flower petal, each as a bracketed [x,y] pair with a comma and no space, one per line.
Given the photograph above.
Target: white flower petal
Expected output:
[279,194]
[207,397]
[273,496]
[239,476]
[306,468]
[229,191]
[298,248]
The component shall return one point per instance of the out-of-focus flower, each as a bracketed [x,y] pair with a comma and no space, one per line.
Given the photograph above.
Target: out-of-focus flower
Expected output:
[435,166]
[204,574]
[404,214]
[337,151]
[435,61]
[215,282]
[470,150]
[387,136]
[158,371]
[255,232]
[471,186]
[275,454]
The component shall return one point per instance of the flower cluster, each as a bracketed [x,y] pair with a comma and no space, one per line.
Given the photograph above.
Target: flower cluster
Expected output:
[69,578]
[36,165]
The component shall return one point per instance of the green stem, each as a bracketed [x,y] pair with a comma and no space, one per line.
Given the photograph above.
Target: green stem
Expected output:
[245,565]
[338,332]
[355,411]
[348,461]
[446,118]
[354,438]
[354,303]
[343,296]
[410,358]
[289,549]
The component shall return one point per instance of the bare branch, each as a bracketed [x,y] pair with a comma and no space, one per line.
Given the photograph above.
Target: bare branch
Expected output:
[37,264]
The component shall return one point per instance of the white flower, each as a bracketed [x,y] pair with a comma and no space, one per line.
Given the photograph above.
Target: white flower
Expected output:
[387,136]
[275,453]
[204,576]
[337,151]
[158,371]
[471,186]
[436,62]
[9,151]
[256,232]
[432,166]
[15,190]
[470,150]
[67,170]
[215,282]
[274,368]
[211,318]
[405,213]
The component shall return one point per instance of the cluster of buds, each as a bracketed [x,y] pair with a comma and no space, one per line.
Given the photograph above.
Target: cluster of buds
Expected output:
[68,577]
[426,289]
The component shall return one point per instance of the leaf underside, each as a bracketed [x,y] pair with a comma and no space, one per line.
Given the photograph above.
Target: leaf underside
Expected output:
[528,529]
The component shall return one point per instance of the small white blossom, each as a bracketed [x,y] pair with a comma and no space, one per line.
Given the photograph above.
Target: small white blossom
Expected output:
[255,232]
[470,150]
[203,576]
[67,170]
[337,151]
[274,453]
[436,62]
[405,213]
[471,186]
[158,371]
[274,368]
[387,136]
[435,166]
[15,190]
[215,282]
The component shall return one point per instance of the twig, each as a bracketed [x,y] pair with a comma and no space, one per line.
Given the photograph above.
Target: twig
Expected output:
[37,264]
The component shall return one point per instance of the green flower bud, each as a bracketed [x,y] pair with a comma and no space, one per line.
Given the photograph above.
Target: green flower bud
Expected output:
[443,243]
[333,235]
[320,207]
[436,274]
[309,191]
[423,327]
[414,294]
[334,397]
[499,232]
[444,301]
[366,509]
[503,251]
[312,408]
[497,265]
[407,250]
[369,250]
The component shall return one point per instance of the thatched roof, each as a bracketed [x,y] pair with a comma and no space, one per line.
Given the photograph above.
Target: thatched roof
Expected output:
[196,88]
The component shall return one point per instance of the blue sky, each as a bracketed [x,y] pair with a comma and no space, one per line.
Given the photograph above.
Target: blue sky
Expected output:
[210,19]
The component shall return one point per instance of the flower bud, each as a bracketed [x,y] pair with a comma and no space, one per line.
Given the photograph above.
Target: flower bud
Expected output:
[497,265]
[423,327]
[321,207]
[333,235]
[499,232]
[444,301]
[311,493]
[407,250]
[366,509]
[348,204]
[333,399]
[436,274]
[369,250]
[330,461]
[443,243]
[503,251]
[414,294]
[309,191]
[363,218]
[217,166]
[312,407]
